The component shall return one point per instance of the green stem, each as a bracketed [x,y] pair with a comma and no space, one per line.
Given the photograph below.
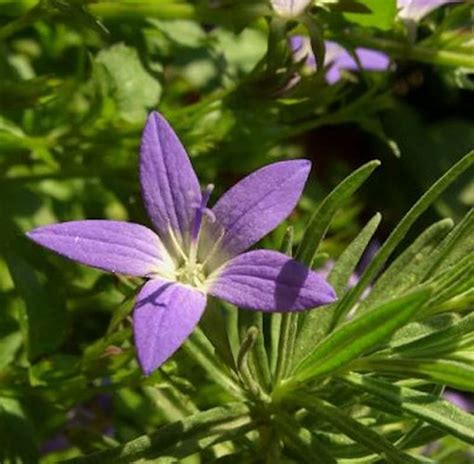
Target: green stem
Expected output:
[406,51]
[259,353]
[285,347]
[161,9]
[197,347]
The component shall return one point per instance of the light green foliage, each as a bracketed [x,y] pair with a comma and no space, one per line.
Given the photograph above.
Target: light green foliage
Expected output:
[380,15]
[120,76]
[357,381]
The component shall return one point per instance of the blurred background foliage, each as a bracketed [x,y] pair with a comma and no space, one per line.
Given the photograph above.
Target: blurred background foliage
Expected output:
[77,79]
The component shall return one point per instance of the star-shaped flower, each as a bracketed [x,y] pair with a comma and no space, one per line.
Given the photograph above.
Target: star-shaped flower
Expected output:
[195,250]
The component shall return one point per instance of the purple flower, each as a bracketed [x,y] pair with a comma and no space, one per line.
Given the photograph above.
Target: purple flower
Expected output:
[290,8]
[460,399]
[416,10]
[196,250]
[338,59]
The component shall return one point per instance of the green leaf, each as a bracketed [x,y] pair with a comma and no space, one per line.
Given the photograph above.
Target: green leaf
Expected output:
[318,322]
[418,329]
[456,245]
[357,336]
[17,436]
[199,348]
[459,375]
[313,325]
[321,219]
[308,447]
[447,340]
[352,428]
[351,298]
[183,433]
[119,74]
[43,314]
[410,268]
[381,16]
[347,262]
[436,411]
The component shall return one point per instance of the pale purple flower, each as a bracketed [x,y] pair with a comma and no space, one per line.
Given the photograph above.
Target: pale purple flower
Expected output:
[338,59]
[462,400]
[290,8]
[195,250]
[416,10]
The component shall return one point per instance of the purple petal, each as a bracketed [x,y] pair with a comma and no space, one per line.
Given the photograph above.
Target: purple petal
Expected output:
[338,59]
[416,10]
[114,246]
[270,281]
[460,399]
[254,207]
[170,187]
[165,314]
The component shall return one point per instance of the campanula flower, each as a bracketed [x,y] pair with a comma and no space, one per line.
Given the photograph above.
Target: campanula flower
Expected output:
[290,8]
[338,59]
[416,10]
[194,250]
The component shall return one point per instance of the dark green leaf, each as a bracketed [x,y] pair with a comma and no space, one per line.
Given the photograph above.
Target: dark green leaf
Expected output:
[347,262]
[359,335]
[321,219]
[410,268]
[434,410]
[352,428]
[17,435]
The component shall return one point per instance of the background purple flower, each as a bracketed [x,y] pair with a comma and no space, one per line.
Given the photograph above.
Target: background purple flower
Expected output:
[416,10]
[338,59]
[197,250]
[461,399]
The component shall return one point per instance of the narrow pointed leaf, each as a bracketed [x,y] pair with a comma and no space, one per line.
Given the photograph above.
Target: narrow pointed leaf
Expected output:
[199,348]
[436,411]
[304,443]
[456,244]
[402,228]
[441,341]
[359,335]
[456,374]
[347,262]
[410,268]
[321,219]
[352,428]
[203,423]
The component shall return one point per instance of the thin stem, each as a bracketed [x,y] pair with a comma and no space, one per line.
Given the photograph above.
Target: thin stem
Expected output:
[406,51]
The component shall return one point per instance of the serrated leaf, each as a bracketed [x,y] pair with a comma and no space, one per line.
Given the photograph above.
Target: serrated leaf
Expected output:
[120,75]
[436,411]
[410,268]
[357,336]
